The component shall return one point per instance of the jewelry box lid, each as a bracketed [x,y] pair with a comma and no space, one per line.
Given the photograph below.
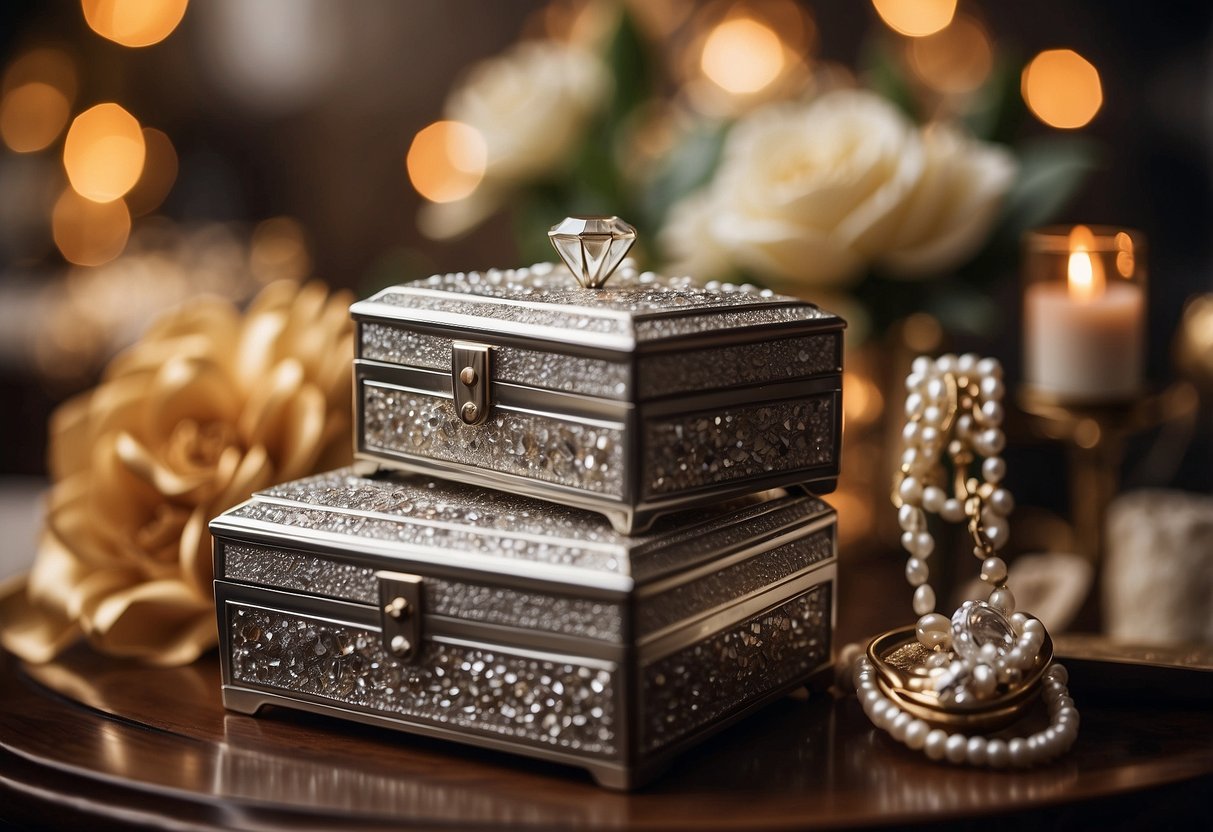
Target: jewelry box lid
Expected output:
[573,303]
[422,520]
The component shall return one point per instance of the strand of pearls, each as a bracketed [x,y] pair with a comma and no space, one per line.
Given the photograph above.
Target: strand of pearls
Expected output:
[960,398]
[938,744]
[954,413]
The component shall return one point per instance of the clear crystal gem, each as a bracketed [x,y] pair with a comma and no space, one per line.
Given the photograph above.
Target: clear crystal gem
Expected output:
[977,623]
[592,247]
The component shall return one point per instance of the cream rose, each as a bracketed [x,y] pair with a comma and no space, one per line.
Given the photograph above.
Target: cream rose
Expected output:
[531,104]
[805,193]
[209,406]
[950,213]
[813,194]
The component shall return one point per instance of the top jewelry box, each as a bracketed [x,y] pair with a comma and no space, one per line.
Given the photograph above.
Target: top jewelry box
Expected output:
[645,396]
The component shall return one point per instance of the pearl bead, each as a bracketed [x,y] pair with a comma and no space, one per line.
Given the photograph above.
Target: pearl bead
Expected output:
[923,545]
[924,599]
[1059,674]
[966,364]
[990,442]
[899,725]
[964,424]
[988,652]
[956,747]
[992,414]
[932,418]
[910,457]
[914,405]
[997,753]
[909,433]
[1017,658]
[997,532]
[933,498]
[921,365]
[916,572]
[933,630]
[991,387]
[1017,750]
[975,751]
[1002,599]
[916,734]
[983,681]
[936,744]
[946,363]
[878,708]
[952,510]
[993,469]
[911,518]
[989,367]
[993,570]
[1035,625]
[910,491]
[936,389]
[1002,502]
[914,381]
[1018,620]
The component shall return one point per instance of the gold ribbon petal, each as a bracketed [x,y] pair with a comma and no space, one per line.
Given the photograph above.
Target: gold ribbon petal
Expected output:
[28,630]
[161,622]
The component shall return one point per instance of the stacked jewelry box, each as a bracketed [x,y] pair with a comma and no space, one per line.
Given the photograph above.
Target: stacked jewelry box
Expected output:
[581,525]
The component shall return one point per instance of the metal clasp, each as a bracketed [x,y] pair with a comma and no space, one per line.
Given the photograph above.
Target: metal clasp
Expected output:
[470,368]
[400,610]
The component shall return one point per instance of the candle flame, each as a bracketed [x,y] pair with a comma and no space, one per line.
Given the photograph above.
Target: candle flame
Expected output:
[1084,273]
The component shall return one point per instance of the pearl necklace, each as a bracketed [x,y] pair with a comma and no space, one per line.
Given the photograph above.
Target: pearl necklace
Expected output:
[986,650]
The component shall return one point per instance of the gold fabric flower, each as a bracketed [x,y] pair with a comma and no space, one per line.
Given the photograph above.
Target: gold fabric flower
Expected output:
[208,407]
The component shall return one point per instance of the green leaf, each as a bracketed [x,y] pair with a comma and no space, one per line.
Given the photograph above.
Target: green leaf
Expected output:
[883,75]
[997,109]
[688,167]
[632,68]
[1051,170]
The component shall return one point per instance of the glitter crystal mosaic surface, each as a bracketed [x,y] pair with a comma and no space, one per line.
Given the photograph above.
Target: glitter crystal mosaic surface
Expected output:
[720,367]
[414,512]
[635,304]
[530,368]
[546,448]
[702,683]
[732,582]
[552,703]
[318,575]
[687,452]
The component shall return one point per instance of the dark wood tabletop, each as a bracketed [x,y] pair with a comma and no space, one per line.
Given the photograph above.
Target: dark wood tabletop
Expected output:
[87,739]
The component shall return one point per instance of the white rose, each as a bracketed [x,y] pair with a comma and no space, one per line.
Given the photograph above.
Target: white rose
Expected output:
[807,193]
[947,218]
[813,194]
[531,104]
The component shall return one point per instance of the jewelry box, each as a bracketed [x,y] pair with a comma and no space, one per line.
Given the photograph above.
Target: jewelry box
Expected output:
[494,619]
[635,398]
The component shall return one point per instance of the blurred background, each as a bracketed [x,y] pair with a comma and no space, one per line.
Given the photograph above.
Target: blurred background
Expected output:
[158,149]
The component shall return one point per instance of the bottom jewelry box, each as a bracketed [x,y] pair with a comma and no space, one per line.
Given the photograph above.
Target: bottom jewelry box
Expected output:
[479,616]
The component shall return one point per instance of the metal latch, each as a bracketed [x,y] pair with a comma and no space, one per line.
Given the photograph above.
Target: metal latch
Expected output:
[400,607]
[470,368]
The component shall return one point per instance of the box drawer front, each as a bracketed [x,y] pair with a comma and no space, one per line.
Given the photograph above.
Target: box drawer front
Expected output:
[696,685]
[587,455]
[545,700]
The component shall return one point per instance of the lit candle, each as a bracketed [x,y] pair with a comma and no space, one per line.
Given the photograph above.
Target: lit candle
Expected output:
[1084,336]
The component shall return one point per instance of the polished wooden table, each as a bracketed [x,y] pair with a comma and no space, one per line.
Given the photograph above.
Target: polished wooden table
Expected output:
[87,740]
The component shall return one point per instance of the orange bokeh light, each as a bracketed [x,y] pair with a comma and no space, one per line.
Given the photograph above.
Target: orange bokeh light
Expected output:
[134,22]
[447,160]
[742,56]
[955,60]
[89,233]
[915,18]
[1062,89]
[104,152]
[32,116]
[159,173]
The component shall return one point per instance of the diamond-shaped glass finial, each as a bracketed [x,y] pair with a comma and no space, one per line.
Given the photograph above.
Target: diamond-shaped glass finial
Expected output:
[592,247]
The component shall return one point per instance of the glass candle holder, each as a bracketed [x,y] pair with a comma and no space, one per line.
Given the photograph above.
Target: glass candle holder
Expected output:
[1084,313]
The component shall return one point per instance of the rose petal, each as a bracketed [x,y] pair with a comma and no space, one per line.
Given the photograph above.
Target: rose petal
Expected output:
[192,389]
[162,622]
[140,462]
[28,630]
[265,404]
[296,439]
